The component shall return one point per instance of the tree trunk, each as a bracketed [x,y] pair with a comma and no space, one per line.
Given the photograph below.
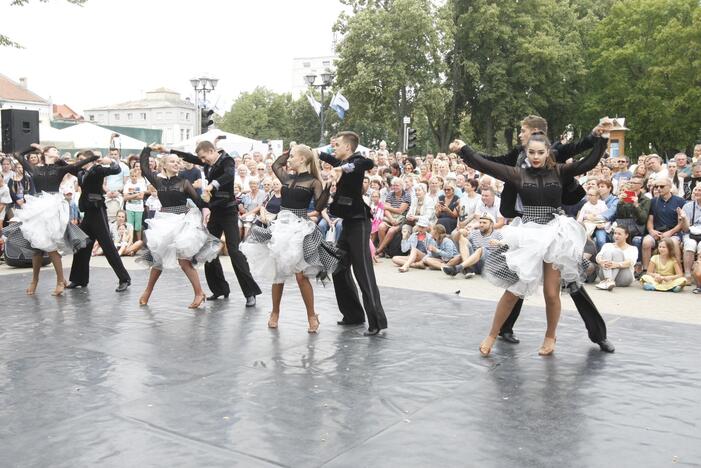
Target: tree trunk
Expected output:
[489,134]
[509,137]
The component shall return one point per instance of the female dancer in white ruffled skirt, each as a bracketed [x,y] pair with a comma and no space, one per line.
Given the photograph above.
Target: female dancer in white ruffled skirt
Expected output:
[293,245]
[543,247]
[44,225]
[176,235]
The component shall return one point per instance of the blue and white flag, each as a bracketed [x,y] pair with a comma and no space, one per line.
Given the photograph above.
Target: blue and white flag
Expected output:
[314,103]
[340,104]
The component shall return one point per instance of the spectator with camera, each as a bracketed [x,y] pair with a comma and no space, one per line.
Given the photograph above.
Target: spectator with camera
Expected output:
[447,208]
[616,261]
[632,211]
[690,217]
[663,220]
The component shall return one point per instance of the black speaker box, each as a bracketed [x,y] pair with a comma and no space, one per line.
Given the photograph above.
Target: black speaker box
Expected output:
[20,128]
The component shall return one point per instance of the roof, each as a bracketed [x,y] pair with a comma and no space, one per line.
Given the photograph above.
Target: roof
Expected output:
[63,112]
[12,91]
[157,98]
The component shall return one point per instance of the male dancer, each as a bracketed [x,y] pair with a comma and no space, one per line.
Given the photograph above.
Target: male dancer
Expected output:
[348,204]
[94,224]
[220,170]
[572,193]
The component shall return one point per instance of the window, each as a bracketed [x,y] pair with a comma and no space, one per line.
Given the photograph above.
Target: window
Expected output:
[143,116]
[129,115]
[326,63]
[187,116]
[187,133]
[307,64]
[182,134]
[91,117]
[116,116]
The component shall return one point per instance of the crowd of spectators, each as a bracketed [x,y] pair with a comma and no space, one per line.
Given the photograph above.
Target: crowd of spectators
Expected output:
[643,220]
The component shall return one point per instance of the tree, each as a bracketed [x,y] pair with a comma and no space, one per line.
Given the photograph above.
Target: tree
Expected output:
[646,66]
[7,42]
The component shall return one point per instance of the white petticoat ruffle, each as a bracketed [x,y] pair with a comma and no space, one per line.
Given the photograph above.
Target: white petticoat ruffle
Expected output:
[44,221]
[171,237]
[281,256]
[559,242]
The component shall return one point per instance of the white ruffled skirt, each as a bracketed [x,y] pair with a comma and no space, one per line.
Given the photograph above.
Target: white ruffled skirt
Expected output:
[43,224]
[176,236]
[292,244]
[518,266]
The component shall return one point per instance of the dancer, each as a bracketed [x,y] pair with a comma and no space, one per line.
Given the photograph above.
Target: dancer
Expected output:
[572,193]
[348,204]
[175,234]
[94,224]
[541,247]
[220,171]
[293,245]
[44,225]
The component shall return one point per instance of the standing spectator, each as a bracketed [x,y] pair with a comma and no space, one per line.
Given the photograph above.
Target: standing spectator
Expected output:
[134,192]
[690,216]
[20,185]
[7,172]
[396,208]
[114,186]
[5,201]
[663,220]
[73,211]
[616,261]
[664,272]
[377,212]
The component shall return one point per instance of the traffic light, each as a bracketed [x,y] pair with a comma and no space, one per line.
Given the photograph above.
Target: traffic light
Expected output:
[411,138]
[206,120]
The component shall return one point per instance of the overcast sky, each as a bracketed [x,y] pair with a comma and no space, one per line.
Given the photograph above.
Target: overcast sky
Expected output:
[110,51]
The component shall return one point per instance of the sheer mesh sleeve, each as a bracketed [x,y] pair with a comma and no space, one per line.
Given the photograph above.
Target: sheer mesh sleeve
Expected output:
[279,165]
[494,169]
[321,195]
[75,167]
[146,171]
[191,193]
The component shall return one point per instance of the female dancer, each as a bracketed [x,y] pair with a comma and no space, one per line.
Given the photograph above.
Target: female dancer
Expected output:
[542,247]
[44,225]
[293,245]
[175,234]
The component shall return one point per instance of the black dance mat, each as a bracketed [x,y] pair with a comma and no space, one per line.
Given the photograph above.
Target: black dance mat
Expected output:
[91,379]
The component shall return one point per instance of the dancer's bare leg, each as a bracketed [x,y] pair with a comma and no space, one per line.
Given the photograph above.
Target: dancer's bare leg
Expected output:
[153,276]
[305,287]
[36,268]
[194,277]
[504,307]
[551,294]
[277,299]
[58,268]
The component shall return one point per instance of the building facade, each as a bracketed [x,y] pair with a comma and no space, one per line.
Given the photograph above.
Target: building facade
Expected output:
[302,66]
[16,95]
[161,109]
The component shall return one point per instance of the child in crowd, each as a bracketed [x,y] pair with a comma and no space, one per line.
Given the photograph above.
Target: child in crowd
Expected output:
[134,191]
[590,214]
[664,272]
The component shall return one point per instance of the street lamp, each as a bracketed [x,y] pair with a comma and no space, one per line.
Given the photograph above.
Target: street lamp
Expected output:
[202,85]
[326,81]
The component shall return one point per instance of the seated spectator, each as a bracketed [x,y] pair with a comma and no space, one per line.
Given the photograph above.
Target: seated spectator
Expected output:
[73,211]
[632,211]
[396,207]
[689,182]
[119,220]
[616,261]
[664,272]
[690,216]
[490,203]
[590,215]
[421,206]
[122,240]
[655,168]
[474,248]
[272,203]
[663,221]
[377,211]
[601,235]
[251,202]
[328,222]
[441,249]
[447,208]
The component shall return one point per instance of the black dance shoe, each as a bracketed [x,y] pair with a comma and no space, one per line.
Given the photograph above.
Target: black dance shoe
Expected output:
[215,297]
[606,346]
[122,286]
[345,322]
[251,301]
[73,285]
[372,332]
[509,337]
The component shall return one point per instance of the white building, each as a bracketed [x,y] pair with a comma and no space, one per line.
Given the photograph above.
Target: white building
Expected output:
[160,109]
[14,95]
[302,66]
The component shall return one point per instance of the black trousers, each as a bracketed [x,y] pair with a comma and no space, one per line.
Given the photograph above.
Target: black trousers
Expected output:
[95,225]
[226,220]
[355,242]
[596,327]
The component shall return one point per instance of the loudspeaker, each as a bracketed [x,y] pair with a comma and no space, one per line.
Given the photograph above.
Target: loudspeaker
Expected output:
[20,128]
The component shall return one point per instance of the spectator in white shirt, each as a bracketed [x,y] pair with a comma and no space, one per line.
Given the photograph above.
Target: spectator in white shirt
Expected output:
[616,261]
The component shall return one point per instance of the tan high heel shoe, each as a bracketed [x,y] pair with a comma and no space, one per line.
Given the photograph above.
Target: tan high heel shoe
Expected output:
[486,345]
[548,346]
[313,328]
[31,289]
[60,287]
[272,323]
[143,300]
[199,300]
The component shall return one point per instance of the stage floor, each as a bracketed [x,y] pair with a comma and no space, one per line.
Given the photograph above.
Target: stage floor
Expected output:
[91,379]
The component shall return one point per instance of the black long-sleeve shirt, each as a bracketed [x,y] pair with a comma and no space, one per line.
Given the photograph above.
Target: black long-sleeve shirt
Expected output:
[91,181]
[536,186]
[172,191]
[220,175]
[348,201]
[48,177]
[299,189]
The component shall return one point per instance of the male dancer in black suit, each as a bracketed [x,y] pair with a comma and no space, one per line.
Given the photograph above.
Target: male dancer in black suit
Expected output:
[220,170]
[348,204]
[94,224]
[572,193]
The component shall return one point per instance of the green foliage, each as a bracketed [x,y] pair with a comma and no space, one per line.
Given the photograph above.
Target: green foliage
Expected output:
[7,42]
[646,66]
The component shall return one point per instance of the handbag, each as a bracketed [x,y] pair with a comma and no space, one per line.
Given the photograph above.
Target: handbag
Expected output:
[266,217]
[331,234]
[694,231]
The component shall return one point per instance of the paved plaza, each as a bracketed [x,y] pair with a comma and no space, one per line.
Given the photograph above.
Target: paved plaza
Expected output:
[91,379]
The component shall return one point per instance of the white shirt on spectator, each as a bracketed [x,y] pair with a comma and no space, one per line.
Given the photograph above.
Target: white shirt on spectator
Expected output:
[492,210]
[5,201]
[630,253]
[115,182]
[131,187]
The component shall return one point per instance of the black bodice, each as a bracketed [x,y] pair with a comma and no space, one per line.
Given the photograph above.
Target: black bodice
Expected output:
[172,191]
[298,190]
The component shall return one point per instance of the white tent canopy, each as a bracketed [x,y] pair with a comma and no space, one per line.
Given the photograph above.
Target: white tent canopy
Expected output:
[232,144]
[87,135]
[53,136]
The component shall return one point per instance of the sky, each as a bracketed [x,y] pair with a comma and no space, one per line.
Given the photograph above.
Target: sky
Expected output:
[110,51]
